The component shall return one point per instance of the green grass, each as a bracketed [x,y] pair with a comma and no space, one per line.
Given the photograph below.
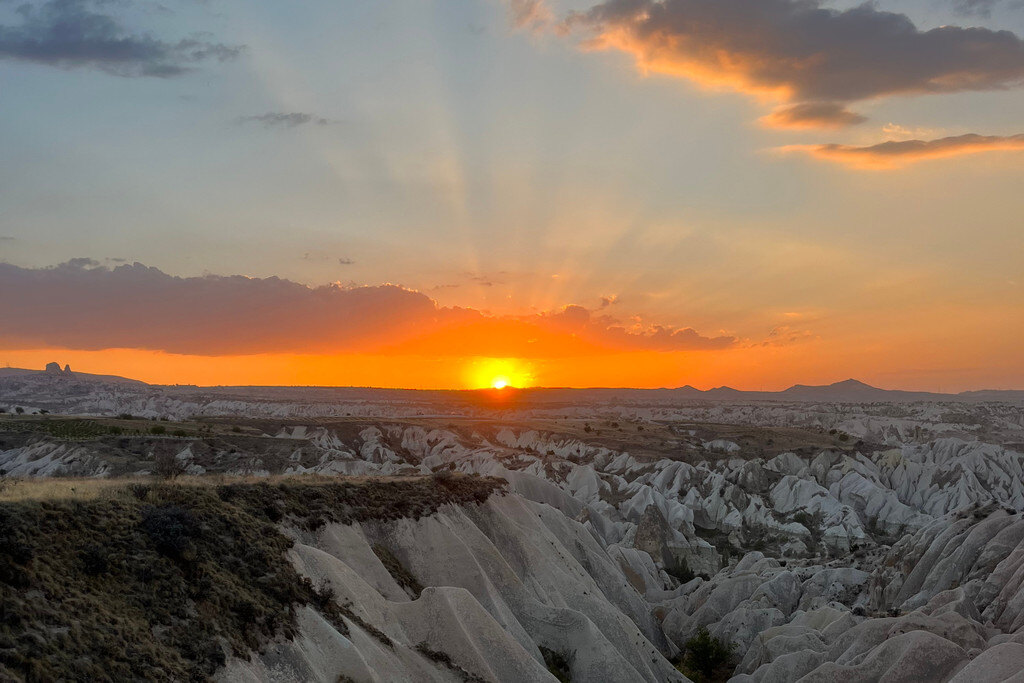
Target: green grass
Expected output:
[162,582]
[68,430]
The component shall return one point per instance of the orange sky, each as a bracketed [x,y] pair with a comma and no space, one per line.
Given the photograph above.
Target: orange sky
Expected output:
[642,193]
[906,366]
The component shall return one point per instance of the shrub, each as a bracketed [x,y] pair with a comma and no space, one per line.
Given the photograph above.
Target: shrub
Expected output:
[707,658]
[443,476]
[139,491]
[171,528]
[158,429]
[681,572]
[95,560]
[556,664]
[167,465]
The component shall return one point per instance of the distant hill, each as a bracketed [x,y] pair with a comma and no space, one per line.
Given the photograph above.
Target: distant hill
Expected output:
[69,375]
[846,391]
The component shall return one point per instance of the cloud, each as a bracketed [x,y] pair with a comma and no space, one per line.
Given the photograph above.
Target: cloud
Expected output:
[897,153]
[6,238]
[285,120]
[533,15]
[799,52]
[71,34]
[345,261]
[82,305]
[812,115]
[976,8]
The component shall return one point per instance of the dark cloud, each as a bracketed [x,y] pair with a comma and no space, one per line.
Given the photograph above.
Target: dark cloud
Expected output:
[73,34]
[82,305]
[345,261]
[285,120]
[801,52]
[812,115]
[894,154]
[6,238]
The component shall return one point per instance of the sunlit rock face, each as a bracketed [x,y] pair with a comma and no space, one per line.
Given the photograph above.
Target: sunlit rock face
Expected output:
[826,541]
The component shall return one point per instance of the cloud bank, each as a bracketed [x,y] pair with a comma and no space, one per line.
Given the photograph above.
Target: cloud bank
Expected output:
[82,305]
[71,34]
[799,52]
[898,153]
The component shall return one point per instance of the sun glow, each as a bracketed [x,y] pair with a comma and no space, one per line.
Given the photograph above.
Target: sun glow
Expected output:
[498,373]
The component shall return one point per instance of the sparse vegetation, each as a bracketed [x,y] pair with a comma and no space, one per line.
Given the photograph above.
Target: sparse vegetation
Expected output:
[443,659]
[398,572]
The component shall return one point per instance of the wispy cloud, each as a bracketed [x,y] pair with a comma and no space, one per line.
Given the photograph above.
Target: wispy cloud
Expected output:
[74,34]
[897,153]
[285,119]
[812,115]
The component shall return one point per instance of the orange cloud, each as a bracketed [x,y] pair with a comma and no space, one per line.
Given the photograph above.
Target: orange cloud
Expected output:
[898,153]
[82,305]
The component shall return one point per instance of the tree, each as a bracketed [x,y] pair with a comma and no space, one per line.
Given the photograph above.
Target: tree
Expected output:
[707,658]
[19,410]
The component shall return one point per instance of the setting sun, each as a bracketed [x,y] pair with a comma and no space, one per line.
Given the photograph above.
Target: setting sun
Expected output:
[499,383]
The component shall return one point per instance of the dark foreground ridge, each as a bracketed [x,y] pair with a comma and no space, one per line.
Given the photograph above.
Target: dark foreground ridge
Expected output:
[163,581]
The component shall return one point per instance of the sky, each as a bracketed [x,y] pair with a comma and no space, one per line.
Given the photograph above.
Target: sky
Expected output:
[450,193]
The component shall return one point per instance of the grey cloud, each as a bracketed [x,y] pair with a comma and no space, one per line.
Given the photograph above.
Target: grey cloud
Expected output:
[72,34]
[345,261]
[812,115]
[800,51]
[81,305]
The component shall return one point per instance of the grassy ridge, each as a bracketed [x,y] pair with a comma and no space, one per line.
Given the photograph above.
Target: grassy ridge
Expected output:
[162,582]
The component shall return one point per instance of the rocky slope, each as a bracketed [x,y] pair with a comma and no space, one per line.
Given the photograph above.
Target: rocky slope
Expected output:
[826,541]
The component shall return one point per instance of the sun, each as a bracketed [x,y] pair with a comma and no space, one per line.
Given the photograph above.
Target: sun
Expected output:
[498,373]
